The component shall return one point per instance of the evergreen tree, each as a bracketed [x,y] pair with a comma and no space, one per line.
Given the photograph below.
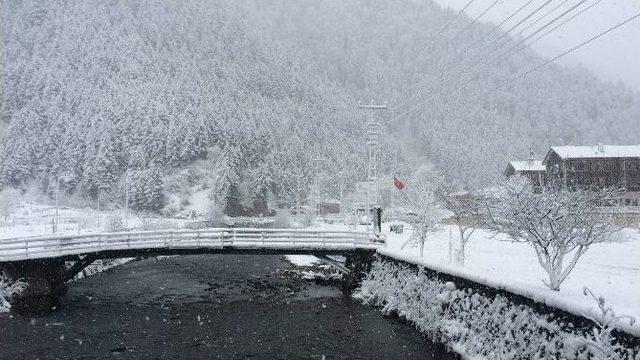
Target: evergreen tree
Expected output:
[154,190]
[233,205]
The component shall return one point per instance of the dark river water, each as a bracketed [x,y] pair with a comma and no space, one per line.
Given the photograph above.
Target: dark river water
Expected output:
[209,306]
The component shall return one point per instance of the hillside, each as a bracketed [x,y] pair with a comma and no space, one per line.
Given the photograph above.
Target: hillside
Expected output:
[110,95]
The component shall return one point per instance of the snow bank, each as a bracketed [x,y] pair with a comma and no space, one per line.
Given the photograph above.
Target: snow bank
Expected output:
[610,269]
[302,260]
[475,324]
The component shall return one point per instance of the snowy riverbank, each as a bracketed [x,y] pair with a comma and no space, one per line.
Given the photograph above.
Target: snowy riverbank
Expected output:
[484,324]
[609,269]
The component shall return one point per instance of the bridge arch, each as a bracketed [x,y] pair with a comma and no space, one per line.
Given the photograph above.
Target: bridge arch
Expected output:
[41,261]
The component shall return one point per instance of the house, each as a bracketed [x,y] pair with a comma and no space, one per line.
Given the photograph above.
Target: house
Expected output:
[601,166]
[532,169]
[328,207]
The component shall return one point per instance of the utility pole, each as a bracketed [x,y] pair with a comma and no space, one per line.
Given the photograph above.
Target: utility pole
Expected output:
[373,142]
[55,221]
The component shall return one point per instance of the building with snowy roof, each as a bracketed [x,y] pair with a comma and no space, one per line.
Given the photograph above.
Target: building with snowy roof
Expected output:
[611,166]
[532,169]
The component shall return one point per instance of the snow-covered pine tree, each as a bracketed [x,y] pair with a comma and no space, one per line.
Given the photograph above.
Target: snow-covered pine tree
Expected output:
[154,189]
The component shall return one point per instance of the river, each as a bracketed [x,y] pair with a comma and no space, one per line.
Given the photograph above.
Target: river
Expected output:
[206,307]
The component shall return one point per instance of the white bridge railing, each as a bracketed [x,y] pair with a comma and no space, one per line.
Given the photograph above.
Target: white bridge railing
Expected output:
[40,247]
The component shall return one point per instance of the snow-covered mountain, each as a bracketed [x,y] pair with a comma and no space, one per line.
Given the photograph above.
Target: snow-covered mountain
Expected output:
[95,91]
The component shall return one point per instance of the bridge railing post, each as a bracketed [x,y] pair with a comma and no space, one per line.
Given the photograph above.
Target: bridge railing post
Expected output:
[233,237]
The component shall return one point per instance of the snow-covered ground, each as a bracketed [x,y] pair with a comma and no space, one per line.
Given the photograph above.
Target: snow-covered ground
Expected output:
[29,219]
[609,269]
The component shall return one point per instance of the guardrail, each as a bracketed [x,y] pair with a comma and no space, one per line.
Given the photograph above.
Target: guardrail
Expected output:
[40,247]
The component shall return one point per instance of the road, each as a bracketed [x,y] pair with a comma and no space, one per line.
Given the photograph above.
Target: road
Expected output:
[210,306]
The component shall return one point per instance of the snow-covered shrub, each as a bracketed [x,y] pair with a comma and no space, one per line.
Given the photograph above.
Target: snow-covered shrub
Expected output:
[8,289]
[215,216]
[282,220]
[114,223]
[601,342]
[474,324]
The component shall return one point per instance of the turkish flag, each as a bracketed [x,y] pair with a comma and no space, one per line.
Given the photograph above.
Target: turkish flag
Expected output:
[397,183]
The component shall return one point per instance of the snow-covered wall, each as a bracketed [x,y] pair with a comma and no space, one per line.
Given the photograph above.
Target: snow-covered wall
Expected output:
[481,323]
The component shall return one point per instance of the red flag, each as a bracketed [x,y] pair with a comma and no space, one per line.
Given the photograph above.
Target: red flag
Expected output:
[397,183]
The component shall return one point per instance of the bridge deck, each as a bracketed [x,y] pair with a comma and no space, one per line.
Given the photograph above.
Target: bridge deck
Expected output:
[219,240]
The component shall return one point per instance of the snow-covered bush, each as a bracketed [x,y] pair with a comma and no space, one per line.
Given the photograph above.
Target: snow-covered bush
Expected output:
[282,219]
[215,216]
[601,342]
[114,223]
[8,289]
[474,324]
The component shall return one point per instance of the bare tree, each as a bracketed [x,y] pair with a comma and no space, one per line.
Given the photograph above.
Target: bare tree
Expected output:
[559,224]
[421,207]
[467,209]
[8,200]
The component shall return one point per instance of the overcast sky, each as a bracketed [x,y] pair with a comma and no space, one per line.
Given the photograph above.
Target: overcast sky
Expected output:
[614,56]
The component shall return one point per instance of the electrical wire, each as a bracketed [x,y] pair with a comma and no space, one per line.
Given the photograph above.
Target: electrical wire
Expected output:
[528,72]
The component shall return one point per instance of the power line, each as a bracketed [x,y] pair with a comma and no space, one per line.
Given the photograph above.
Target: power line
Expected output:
[475,20]
[527,45]
[473,46]
[543,16]
[451,65]
[462,31]
[442,29]
[468,63]
[507,32]
[531,70]
[455,17]
[565,53]
[557,26]
[500,55]
[449,68]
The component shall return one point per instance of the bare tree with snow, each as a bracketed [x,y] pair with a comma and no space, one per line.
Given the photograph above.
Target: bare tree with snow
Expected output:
[559,224]
[467,213]
[421,207]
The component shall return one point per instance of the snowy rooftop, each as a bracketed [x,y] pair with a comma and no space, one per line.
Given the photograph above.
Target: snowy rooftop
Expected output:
[600,151]
[527,165]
